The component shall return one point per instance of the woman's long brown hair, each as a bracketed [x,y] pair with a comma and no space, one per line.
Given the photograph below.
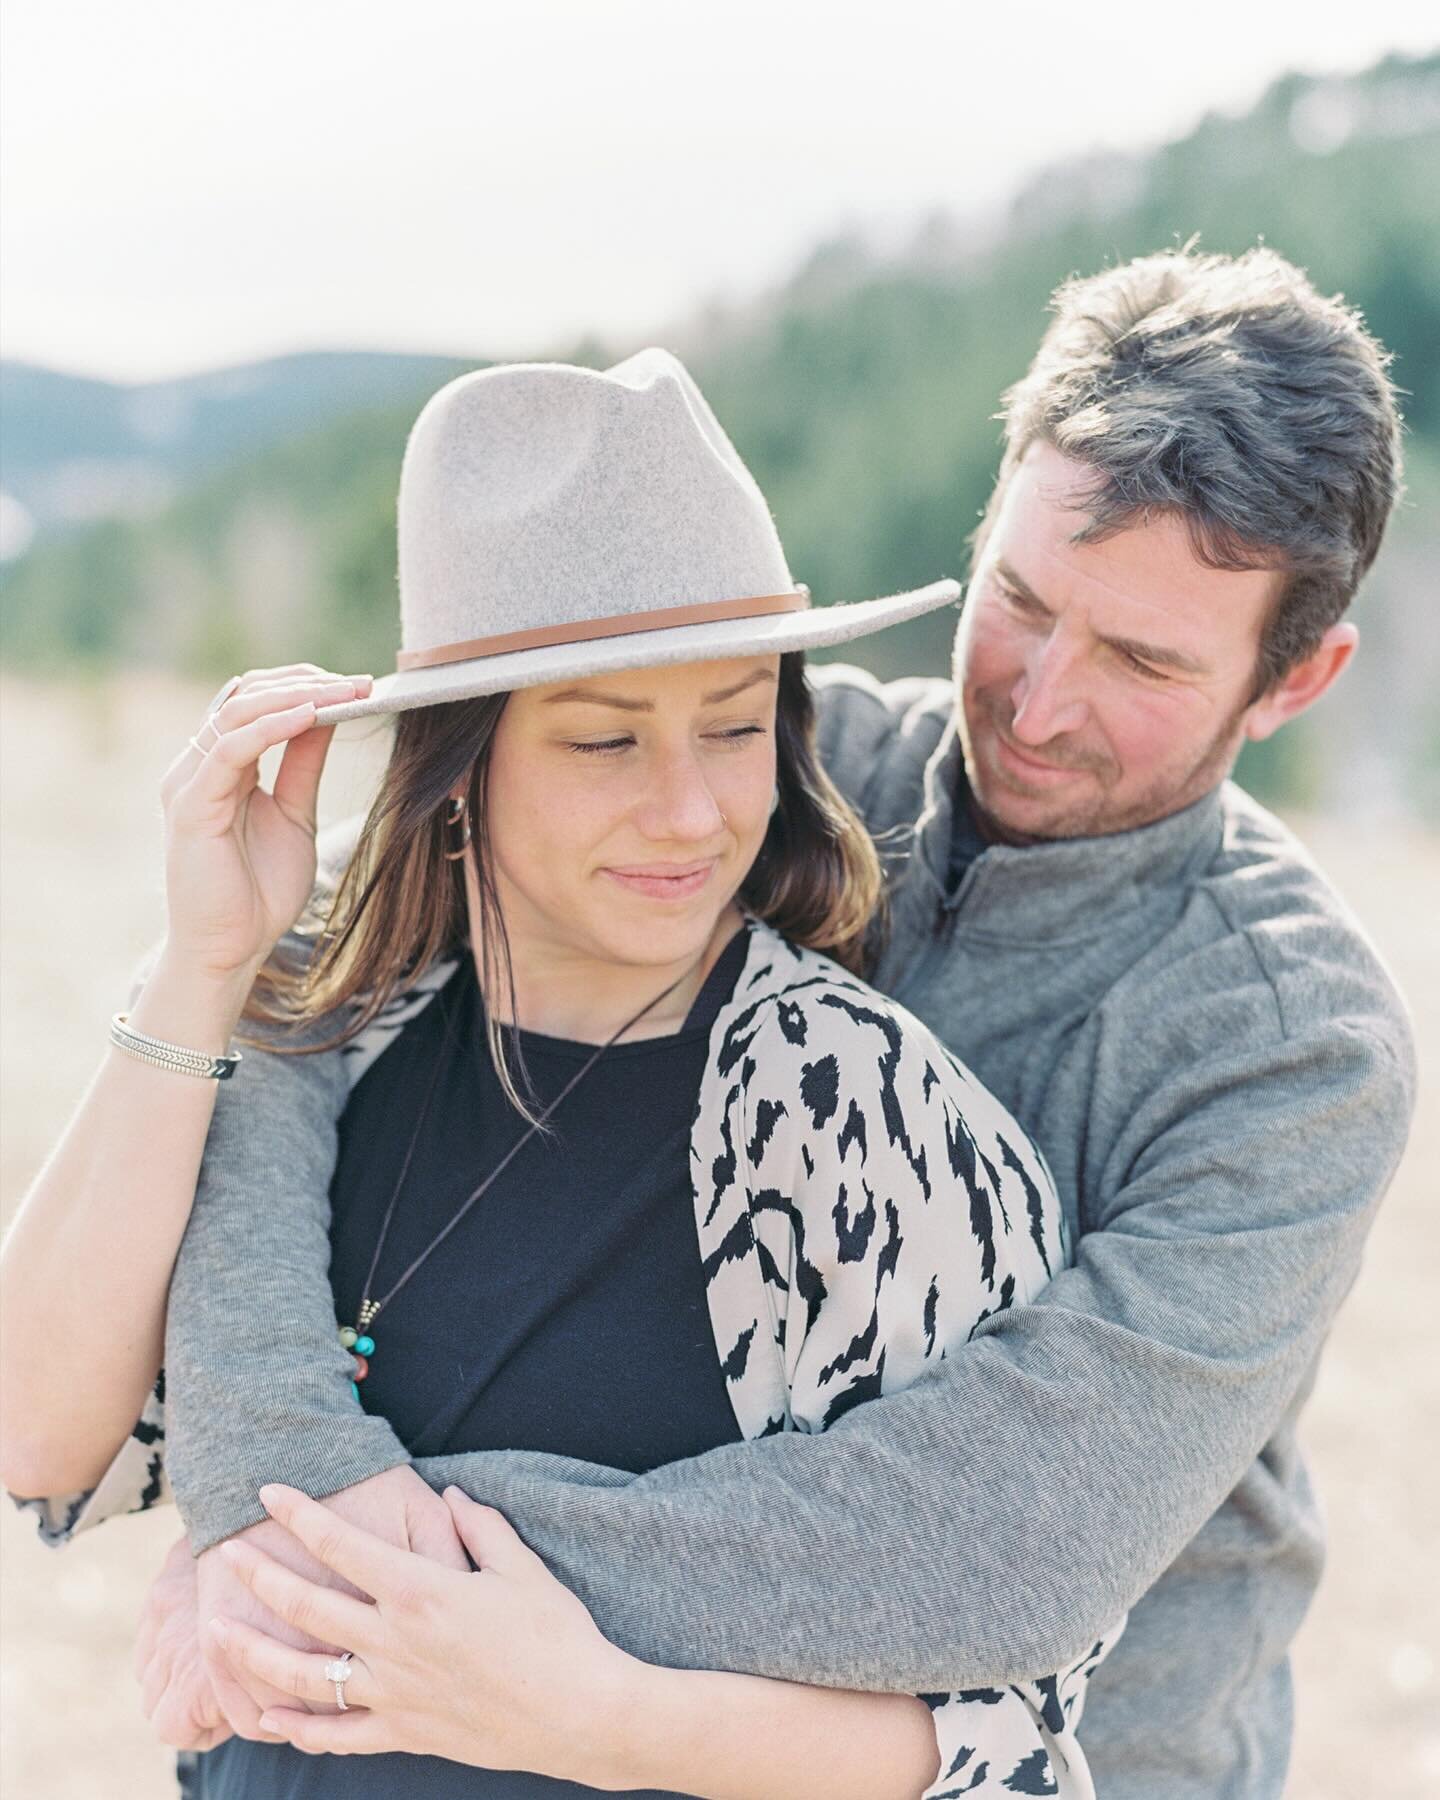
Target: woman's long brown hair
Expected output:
[400,903]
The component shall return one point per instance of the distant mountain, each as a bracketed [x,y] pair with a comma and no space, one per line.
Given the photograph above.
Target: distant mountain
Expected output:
[74,449]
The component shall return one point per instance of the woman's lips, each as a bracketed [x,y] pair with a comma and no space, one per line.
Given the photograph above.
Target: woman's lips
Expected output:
[664,881]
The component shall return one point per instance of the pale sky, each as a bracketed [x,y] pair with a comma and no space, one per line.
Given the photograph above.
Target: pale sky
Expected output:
[188,184]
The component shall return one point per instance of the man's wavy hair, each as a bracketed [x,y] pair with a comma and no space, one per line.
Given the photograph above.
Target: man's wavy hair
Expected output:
[1226,390]
[400,904]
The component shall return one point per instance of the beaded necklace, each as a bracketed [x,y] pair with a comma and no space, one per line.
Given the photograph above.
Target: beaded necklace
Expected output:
[359,1338]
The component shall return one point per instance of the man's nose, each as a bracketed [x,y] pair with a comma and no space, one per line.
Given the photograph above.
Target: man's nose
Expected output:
[1048,696]
[678,804]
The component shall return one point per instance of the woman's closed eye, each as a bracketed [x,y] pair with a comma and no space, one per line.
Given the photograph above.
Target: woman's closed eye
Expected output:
[598,746]
[727,737]
[732,736]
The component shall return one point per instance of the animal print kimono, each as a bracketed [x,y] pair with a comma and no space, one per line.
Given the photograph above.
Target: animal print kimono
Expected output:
[863,1204]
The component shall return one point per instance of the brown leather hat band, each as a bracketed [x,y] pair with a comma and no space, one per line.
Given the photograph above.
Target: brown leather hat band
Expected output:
[621,625]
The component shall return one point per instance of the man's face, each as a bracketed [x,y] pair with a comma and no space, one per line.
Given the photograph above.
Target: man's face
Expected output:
[1105,685]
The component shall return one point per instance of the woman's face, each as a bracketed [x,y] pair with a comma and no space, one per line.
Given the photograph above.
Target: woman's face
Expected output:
[624,811]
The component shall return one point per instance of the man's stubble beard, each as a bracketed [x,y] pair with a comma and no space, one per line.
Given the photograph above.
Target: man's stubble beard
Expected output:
[1094,817]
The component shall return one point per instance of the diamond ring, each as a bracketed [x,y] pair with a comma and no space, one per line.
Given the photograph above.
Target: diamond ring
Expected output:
[338,1671]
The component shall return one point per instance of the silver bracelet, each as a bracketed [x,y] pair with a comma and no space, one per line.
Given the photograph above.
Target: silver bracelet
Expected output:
[170,1056]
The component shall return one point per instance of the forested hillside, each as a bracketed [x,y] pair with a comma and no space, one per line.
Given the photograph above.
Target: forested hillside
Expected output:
[863,394]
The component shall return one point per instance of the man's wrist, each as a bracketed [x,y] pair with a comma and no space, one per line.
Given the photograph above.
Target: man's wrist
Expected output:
[338,1452]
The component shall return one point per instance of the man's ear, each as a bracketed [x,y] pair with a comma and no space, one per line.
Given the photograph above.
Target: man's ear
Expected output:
[1301,686]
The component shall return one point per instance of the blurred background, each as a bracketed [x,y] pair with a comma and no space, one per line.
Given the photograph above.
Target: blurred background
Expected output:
[239,251]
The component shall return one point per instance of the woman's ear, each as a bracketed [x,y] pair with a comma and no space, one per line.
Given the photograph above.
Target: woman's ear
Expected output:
[1301,686]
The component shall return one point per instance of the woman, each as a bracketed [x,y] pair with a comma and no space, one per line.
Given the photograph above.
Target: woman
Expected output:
[638,1171]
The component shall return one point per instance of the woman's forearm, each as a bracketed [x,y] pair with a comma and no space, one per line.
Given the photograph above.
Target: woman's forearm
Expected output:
[742,1737]
[85,1269]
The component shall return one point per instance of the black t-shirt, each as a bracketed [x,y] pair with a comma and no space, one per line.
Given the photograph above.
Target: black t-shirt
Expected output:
[565,1313]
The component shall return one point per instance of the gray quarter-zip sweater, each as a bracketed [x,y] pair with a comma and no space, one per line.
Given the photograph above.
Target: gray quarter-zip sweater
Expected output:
[1219,1071]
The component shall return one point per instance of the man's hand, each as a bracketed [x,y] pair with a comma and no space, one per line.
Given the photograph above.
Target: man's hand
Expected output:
[175,1689]
[396,1506]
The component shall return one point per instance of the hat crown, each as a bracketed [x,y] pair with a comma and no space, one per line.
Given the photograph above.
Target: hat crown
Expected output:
[537,495]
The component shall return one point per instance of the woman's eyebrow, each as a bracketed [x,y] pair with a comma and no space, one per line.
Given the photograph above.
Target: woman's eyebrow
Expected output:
[739,687]
[593,696]
[595,699]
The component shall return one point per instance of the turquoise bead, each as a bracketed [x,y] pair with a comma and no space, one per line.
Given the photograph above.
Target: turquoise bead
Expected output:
[363,1346]
[348,1334]
[355,1389]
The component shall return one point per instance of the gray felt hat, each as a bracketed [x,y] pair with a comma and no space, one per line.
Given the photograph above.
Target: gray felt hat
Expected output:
[555,522]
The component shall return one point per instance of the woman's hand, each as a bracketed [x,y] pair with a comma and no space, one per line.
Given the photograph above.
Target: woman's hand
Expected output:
[502,1668]
[240,862]
[396,1507]
[193,1699]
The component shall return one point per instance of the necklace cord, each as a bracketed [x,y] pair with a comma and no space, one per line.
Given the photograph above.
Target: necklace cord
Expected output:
[370,1309]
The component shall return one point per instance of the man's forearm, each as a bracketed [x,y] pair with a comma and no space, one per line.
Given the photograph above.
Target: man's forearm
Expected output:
[926,1542]
[258,1384]
[986,1524]
[994,1519]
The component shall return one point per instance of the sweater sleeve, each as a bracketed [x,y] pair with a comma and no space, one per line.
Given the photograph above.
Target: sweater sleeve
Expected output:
[258,1387]
[861,724]
[1044,1475]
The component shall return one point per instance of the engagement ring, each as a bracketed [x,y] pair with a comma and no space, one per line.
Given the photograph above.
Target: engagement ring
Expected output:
[338,1671]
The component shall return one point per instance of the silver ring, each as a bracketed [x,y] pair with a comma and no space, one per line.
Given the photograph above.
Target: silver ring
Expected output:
[338,1672]
[224,694]
[210,712]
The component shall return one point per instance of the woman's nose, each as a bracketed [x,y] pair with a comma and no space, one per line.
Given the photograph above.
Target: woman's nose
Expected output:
[679,805]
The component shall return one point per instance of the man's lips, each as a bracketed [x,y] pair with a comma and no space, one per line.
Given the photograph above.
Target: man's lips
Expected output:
[664,881]
[1033,768]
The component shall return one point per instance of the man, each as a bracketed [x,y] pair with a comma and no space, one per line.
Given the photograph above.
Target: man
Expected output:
[1145,967]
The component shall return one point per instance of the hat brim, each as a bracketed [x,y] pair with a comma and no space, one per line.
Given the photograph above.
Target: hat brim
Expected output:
[773,634]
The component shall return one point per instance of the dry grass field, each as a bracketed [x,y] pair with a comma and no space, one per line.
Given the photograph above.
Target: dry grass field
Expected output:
[81,899]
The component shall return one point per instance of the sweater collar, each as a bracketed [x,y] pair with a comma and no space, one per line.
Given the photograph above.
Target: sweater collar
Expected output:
[1070,889]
